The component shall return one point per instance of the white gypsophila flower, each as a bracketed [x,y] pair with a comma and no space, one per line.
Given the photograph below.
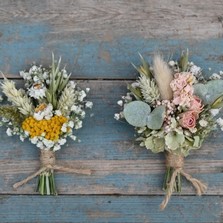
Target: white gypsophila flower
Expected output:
[25,75]
[82,114]
[45,75]
[117,116]
[89,104]
[71,124]
[203,123]
[64,73]
[26,133]
[34,140]
[72,84]
[33,69]
[58,112]
[81,95]
[64,127]
[171,63]
[38,115]
[195,70]
[56,147]
[120,103]
[48,143]
[87,89]
[39,144]
[78,125]
[9,132]
[215,76]
[214,112]
[22,138]
[37,91]
[73,137]
[62,141]
[76,109]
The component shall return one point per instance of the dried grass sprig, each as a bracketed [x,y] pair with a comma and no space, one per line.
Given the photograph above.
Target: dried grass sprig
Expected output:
[163,76]
[66,100]
[17,97]
[149,89]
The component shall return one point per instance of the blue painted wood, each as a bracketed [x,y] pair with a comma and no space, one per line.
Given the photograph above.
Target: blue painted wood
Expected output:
[96,209]
[23,43]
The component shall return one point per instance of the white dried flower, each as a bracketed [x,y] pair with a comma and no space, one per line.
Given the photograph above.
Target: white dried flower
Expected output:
[120,103]
[34,140]
[81,95]
[46,113]
[71,124]
[37,91]
[9,132]
[64,127]
[215,76]
[58,113]
[195,70]
[87,89]
[171,63]
[117,116]
[56,147]
[48,143]
[73,137]
[89,104]
[78,125]
[62,141]
[203,123]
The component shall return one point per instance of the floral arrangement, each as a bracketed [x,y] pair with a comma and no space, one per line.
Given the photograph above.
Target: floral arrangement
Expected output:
[47,111]
[173,108]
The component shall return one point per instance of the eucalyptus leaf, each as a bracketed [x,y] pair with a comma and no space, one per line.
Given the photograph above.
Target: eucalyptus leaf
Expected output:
[136,113]
[174,140]
[155,144]
[156,117]
[210,91]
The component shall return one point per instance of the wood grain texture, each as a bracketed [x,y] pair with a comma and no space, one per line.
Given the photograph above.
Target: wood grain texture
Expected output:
[115,209]
[99,39]
[120,166]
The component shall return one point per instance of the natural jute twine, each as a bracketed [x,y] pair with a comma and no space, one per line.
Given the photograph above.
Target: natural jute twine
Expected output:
[48,160]
[177,162]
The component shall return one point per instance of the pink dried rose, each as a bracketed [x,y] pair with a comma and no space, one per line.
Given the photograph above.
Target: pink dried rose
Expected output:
[188,119]
[196,105]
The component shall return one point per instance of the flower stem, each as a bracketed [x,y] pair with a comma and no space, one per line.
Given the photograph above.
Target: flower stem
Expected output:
[46,183]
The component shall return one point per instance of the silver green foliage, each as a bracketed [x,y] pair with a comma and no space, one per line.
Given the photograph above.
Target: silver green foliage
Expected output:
[136,113]
[210,91]
[156,118]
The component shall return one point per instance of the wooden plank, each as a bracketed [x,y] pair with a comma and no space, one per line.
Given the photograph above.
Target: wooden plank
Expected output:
[96,209]
[108,148]
[100,39]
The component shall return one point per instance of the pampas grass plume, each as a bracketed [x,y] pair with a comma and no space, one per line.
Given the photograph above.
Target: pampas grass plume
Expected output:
[163,76]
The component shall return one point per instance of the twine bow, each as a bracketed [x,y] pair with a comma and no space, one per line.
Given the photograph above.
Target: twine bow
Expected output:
[177,162]
[48,160]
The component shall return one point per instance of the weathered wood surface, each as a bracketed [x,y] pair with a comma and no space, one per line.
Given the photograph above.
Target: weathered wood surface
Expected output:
[98,40]
[107,147]
[106,209]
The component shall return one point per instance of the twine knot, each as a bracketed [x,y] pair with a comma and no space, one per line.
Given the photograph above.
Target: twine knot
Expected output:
[177,163]
[48,162]
[47,158]
[174,160]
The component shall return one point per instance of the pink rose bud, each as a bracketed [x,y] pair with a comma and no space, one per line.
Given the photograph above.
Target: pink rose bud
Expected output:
[188,119]
[196,105]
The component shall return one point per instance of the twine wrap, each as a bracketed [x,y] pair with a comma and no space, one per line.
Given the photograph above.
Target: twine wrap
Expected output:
[48,160]
[177,163]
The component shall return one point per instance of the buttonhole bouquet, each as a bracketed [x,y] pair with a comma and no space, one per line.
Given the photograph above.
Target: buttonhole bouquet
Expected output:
[48,110]
[173,108]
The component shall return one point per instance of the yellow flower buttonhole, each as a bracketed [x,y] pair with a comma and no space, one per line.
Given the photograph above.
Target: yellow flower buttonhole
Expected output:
[51,128]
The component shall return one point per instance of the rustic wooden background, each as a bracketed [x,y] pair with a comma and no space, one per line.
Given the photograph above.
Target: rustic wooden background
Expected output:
[98,39]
